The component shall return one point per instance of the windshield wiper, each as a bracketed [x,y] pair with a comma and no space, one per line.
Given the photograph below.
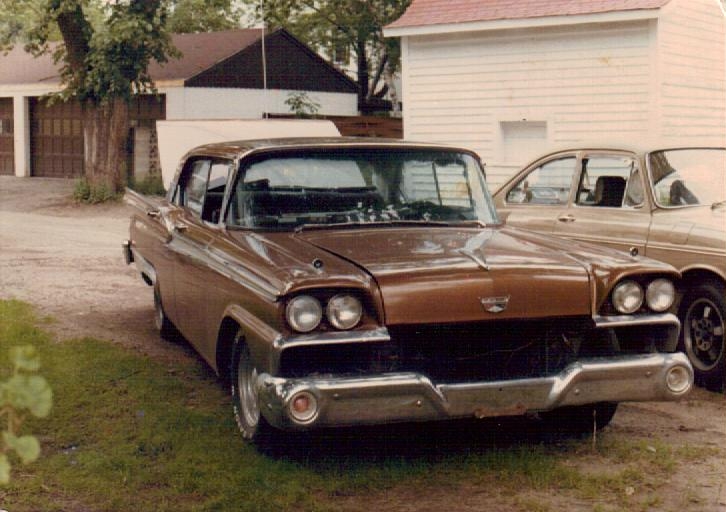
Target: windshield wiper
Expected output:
[718,204]
[376,223]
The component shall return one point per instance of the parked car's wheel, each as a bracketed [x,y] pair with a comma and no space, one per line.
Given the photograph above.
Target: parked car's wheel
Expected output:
[702,316]
[161,321]
[245,395]
[579,419]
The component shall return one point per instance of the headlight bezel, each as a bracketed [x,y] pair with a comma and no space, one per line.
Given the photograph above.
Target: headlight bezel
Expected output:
[331,300]
[658,294]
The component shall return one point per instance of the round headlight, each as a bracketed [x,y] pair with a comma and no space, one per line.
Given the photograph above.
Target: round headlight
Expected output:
[660,295]
[628,297]
[344,312]
[304,313]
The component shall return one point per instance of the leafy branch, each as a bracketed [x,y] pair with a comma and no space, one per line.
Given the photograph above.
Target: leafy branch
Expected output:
[23,394]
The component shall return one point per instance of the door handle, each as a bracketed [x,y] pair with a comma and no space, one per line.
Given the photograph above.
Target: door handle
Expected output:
[566,218]
[154,214]
[180,228]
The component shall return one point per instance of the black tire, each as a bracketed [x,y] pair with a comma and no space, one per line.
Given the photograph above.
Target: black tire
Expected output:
[580,419]
[161,321]
[245,396]
[702,313]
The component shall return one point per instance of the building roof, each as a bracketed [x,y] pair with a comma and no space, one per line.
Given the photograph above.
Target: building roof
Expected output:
[215,53]
[422,13]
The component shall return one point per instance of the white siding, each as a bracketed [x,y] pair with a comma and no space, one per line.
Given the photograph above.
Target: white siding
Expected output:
[582,81]
[692,52]
[220,103]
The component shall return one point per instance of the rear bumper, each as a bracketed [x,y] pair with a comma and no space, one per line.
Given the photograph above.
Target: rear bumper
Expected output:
[397,397]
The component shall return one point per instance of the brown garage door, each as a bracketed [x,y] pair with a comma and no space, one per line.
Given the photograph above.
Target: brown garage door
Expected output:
[56,139]
[56,134]
[7,153]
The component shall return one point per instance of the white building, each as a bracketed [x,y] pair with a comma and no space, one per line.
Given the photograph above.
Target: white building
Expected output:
[513,79]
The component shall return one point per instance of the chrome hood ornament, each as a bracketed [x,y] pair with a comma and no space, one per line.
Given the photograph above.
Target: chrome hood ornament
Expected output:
[495,304]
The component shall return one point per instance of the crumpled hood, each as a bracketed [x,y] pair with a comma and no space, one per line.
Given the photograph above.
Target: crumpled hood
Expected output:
[435,275]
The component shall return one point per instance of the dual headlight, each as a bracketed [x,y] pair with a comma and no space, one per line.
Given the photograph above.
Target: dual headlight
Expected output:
[629,296]
[343,311]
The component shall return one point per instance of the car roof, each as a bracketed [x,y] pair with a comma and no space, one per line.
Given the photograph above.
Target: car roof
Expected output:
[241,147]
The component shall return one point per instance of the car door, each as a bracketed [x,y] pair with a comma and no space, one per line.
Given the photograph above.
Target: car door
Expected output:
[200,196]
[609,205]
[540,194]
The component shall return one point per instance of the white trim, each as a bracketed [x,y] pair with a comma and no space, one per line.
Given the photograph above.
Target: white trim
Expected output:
[547,21]
[21,138]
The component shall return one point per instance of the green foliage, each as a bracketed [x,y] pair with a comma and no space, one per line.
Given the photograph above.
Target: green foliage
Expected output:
[187,16]
[150,185]
[353,25]
[302,105]
[85,192]
[21,394]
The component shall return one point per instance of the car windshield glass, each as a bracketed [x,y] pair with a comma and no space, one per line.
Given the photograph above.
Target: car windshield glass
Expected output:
[360,186]
[684,177]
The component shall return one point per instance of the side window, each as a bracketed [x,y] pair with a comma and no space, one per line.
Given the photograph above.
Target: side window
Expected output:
[202,187]
[604,179]
[215,190]
[547,184]
[195,186]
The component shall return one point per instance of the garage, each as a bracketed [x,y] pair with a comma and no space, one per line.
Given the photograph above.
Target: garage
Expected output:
[56,139]
[7,154]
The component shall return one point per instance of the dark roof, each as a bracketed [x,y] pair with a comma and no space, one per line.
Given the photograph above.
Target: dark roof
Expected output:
[230,58]
[437,12]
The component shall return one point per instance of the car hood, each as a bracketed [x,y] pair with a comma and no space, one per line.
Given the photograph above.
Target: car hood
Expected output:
[435,275]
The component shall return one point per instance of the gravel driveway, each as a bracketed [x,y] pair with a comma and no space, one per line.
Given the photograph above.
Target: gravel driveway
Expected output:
[66,260]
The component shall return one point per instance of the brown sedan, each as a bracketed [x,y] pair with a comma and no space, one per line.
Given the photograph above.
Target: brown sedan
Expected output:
[344,282]
[668,204]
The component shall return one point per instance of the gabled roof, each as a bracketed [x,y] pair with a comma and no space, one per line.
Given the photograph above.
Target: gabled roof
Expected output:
[211,53]
[422,13]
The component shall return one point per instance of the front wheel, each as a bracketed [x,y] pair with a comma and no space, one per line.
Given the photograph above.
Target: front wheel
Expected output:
[702,315]
[245,394]
[579,419]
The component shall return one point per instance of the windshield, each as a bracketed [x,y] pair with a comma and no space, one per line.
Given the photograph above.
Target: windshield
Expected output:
[360,186]
[684,177]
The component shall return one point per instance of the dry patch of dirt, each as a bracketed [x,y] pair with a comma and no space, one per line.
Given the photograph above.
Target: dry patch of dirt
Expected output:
[66,260]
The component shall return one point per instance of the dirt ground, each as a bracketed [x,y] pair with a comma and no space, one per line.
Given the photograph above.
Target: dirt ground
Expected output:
[66,260]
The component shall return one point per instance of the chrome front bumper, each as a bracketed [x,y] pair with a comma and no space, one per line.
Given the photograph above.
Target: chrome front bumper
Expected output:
[397,397]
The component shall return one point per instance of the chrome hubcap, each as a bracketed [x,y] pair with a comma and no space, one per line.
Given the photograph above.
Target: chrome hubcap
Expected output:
[247,385]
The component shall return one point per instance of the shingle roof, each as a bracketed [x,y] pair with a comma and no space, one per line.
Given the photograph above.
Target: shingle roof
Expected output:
[199,52]
[438,12]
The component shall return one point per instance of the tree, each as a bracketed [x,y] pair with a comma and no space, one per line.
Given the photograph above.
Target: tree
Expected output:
[188,16]
[354,26]
[104,53]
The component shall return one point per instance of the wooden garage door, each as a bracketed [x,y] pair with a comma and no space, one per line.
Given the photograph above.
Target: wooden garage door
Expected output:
[56,139]
[7,153]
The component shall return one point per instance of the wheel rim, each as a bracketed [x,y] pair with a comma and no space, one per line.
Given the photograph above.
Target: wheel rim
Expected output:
[247,386]
[703,334]
[159,312]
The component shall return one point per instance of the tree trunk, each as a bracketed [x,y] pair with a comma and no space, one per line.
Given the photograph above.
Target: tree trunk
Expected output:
[105,134]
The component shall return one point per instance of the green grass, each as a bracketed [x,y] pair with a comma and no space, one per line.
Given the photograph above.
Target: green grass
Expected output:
[129,433]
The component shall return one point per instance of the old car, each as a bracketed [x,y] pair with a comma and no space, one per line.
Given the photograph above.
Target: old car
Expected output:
[667,204]
[346,282]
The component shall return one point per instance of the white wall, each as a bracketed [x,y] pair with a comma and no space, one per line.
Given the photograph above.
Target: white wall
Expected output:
[692,61]
[583,81]
[220,103]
